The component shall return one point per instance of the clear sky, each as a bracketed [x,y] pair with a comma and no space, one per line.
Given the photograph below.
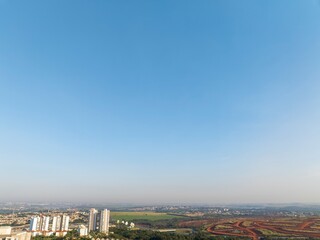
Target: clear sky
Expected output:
[160,101]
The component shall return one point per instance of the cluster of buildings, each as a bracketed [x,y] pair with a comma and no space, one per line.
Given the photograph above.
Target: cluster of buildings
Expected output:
[58,225]
[6,233]
[40,225]
[99,220]
[131,225]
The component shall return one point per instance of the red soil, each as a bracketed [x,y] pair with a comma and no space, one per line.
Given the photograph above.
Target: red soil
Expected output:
[302,229]
[247,232]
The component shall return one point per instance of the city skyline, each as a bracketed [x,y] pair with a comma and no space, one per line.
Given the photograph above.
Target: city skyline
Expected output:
[160,102]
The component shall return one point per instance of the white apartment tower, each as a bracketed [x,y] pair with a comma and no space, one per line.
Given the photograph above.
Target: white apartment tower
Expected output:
[104,221]
[65,223]
[34,223]
[93,219]
[44,223]
[56,223]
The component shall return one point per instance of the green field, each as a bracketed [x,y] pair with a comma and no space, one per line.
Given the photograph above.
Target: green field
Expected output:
[130,216]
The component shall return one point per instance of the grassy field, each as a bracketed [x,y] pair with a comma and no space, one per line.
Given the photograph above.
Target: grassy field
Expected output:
[151,216]
[267,232]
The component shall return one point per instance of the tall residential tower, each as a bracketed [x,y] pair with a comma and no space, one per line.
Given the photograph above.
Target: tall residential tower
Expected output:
[104,221]
[93,219]
[99,221]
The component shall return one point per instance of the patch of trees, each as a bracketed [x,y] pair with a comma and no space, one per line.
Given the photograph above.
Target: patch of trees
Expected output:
[154,235]
[122,233]
[78,220]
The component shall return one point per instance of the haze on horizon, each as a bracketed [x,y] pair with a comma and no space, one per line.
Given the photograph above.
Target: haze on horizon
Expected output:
[160,101]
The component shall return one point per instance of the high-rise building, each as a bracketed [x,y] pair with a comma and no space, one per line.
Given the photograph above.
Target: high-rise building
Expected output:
[93,219]
[99,221]
[44,223]
[60,223]
[34,224]
[39,224]
[104,221]
[65,223]
[55,224]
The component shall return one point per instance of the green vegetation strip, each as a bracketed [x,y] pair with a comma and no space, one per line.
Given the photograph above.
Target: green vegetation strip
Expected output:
[151,216]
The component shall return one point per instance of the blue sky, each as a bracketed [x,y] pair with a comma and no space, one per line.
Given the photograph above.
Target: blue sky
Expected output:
[160,101]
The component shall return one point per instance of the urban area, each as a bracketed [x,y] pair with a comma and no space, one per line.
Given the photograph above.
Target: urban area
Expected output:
[25,221]
[53,224]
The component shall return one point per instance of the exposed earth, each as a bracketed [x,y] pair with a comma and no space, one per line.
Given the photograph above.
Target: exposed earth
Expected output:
[255,228]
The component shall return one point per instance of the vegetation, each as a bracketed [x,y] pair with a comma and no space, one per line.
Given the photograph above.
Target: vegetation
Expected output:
[150,216]
[122,233]
[79,220]
[71,235]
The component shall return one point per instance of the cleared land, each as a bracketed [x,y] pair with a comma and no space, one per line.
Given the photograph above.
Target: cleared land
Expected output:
[256,228]
[150,216]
